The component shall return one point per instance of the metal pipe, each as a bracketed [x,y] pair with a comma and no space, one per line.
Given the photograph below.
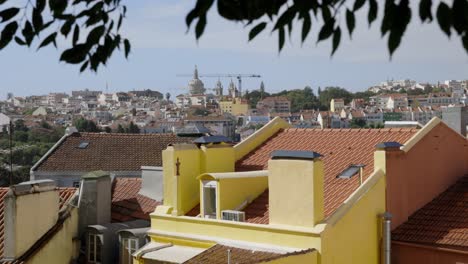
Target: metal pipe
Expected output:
[386,237]
[229,256]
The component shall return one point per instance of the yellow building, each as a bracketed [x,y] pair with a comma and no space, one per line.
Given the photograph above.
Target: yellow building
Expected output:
[236,106]
[285,196]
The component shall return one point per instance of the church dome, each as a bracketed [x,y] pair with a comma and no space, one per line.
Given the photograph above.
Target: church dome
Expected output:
[195,85]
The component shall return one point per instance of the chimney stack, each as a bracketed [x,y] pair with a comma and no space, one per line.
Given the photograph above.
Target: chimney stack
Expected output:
[95,199]
[31,209]
[295,180]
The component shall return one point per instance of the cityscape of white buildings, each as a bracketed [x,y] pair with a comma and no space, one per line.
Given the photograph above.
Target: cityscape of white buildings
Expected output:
[231,115]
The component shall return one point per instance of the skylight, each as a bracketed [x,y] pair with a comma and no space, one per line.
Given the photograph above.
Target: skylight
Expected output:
[83,144]
[350,171]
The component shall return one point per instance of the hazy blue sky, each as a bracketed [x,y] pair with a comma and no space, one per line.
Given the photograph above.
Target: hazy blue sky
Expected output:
[161,49]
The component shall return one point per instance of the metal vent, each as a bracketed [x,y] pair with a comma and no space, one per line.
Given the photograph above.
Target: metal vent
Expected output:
[232,215]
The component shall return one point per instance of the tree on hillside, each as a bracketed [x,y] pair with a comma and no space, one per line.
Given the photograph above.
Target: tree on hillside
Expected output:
[168,96]
[84,125]
[300,99]
[334,92]
[254,96]
[91,28]
[133,129]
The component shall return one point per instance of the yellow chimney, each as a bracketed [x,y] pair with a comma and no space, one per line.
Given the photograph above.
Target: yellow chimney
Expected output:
[295,182]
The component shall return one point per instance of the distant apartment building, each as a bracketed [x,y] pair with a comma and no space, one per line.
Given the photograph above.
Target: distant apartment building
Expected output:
[146,93]
[105,98]
[86,94]
[218,125]
[235,106]
[336,104]
[389,101]
[55,98]
[456,118]
[357,103]
[278,104]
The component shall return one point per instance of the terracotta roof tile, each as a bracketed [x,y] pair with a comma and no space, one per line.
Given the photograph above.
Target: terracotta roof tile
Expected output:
[65,195]
[340,148]
[127,203]
[109,152]
[442,222]
[217,254]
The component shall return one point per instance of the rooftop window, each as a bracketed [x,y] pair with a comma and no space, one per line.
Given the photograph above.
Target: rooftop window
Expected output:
[350,171]
[83,144]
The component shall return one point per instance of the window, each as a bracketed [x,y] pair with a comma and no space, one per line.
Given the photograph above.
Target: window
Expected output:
[83,144]
[76,184]
[209,199]
[128,246]
[94,248]
[350,171]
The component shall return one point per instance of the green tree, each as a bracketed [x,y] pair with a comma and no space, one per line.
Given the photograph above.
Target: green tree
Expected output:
[132,128]
[84,125]
[20,126]
[357,123]
[120,129]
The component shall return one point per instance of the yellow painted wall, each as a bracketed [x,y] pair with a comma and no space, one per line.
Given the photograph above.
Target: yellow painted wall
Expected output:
[61,248]
[355,236]
[44,205]
[181,192]
[235,107]
[296,192]
[257,138]
[309,258]
[217,158]
[233,192]
[183,226]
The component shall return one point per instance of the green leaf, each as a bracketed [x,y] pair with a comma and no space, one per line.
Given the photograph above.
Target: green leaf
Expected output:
[84,66]
[425,7]
[444,18]
[40,5]
[256,30]
[28,32]
[76,34]
[200,27]
[306,26]
[326,31]
[389,17]
[8,14]
[20,41]
[358,4]
[127,47]
[465,41]
[119,23]
[66,28]
[95,35]
[350,21]
[336,39]
[280,39]
[76,54]
[48,40]
[38,23]
[58,6]
[460,15]
[7,34]
[285,18]
[373,8]
[394,41]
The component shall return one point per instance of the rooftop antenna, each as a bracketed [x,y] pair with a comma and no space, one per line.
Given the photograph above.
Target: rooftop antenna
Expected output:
[107,87]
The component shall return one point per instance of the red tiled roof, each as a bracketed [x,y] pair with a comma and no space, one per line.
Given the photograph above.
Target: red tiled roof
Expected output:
[217,254]
[339,147]
[65,195]
[127,203]
[109,152]
[257,211]
[442,222]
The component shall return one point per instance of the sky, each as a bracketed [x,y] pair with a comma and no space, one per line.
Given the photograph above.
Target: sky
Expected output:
[162,49]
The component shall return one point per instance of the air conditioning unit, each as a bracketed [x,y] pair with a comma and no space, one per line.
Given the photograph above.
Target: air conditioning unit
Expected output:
[232,215]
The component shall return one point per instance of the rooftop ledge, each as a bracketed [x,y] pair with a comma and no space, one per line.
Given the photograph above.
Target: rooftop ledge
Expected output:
[316,230]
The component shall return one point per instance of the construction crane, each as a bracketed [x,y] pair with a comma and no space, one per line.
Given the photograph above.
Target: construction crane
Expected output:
[238,76]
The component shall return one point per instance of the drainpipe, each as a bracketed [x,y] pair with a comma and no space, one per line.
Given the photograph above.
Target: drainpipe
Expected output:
[386,237]
[229,256]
